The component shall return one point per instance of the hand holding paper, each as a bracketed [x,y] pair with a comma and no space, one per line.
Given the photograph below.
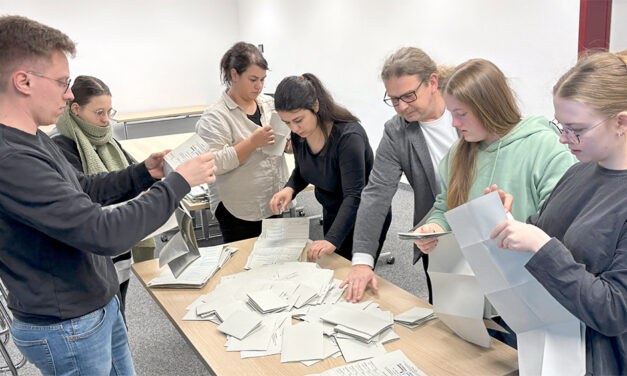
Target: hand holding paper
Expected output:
[428,245]
[154,164]
[262,136]
[519,236]
[198,170]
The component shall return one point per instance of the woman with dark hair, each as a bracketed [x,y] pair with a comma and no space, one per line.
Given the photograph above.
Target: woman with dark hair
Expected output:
[332,152]
[86,140]
[236,129]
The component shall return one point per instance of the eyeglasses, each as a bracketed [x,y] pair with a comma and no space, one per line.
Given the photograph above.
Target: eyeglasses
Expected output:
[407,97]
[102,113]
[63,83]
[571,135]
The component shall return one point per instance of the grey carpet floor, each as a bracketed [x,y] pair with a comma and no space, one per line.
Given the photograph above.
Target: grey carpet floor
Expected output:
[159,349]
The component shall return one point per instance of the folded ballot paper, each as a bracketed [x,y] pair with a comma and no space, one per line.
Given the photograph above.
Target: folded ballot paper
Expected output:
[193,147]
[415,317]
[547,333]
[199,271]
[281,131]
[281,240]
[182,248]
[255,310]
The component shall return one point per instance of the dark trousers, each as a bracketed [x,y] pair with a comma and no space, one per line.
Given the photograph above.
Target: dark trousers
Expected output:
[233,228]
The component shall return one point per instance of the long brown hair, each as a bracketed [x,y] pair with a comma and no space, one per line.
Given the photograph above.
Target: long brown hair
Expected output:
[480,85]
[599,80]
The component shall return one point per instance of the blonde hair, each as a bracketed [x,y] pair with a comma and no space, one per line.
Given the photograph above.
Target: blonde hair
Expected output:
[412,61]
[480,85]
[599,80]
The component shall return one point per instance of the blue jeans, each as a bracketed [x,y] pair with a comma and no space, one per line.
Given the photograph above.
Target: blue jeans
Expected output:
[93,344]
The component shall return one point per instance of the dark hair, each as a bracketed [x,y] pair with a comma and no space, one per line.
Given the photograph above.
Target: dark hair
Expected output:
[22,39]
[86,87]
[302,92]
[239,57]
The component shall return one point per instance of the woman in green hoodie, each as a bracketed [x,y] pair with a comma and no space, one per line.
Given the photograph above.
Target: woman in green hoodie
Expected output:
[522,156]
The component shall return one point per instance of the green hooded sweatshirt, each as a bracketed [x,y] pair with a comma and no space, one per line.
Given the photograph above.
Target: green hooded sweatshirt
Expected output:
[527,163]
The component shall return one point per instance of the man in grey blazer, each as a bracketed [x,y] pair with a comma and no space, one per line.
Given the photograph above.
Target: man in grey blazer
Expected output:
[414,141]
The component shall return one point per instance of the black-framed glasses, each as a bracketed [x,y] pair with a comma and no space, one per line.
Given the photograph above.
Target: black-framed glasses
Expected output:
[102,113]
[62,83]
[571,135]
[407,97]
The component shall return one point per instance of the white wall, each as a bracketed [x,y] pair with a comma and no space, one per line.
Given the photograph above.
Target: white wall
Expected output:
[165,53]
[618,29]
[152,54]
[345,43]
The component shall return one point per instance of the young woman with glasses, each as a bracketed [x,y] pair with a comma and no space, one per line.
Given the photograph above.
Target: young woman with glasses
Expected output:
[579,238]
[86,140]
[332,152]
[497,147]
[236,128]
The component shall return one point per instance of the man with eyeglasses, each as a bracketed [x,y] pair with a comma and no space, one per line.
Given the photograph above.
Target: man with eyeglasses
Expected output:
[55,238]
[413,143]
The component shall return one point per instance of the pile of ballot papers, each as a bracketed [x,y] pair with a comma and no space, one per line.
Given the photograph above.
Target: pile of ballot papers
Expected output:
[255,310]
[281,240]
[390,364]
[199,193]
[198,273]
[415,317]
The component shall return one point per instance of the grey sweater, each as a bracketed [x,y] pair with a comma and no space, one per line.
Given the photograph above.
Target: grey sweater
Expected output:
[584,265]
[55,238]
[402,149]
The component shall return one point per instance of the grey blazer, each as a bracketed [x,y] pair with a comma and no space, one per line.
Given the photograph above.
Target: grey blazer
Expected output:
[402,149]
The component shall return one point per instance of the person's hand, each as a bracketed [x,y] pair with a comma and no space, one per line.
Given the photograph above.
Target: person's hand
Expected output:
[198,170]
[281,199]
[428,245]
[358,280]
[288,145]
[154,164]
[262,136]
[318,249]
[519,236]
[506,198]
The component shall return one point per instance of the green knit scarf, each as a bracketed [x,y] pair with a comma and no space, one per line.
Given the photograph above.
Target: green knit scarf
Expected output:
[107,156]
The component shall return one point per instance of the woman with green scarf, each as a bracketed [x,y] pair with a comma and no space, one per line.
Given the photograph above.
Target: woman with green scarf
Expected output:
[86,139]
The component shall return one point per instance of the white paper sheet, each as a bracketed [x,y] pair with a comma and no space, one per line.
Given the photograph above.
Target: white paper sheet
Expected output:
[192,147]
[547,333]
[281,131]
[390,364]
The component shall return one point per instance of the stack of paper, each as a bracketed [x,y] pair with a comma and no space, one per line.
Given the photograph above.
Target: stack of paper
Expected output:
[198,193]
[266,301]
[281,240]
[198,273]
[546,332]
[415,317]
[276,293]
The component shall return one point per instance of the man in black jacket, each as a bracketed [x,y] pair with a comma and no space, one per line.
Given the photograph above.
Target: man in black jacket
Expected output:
[55,238]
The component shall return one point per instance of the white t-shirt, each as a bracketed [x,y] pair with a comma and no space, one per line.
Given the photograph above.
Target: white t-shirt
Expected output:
[439,135]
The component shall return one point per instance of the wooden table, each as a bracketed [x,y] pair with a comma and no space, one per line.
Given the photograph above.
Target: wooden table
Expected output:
[434,348]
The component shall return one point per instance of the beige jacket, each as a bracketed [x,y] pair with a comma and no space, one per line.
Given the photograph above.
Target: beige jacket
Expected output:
[244,188]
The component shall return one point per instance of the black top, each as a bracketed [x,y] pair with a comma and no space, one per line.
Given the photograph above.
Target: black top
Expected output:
[584,265]
[339,173]
[54,232]
[256,117]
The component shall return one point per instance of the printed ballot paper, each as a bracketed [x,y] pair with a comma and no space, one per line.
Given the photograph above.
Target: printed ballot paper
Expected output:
[547,333]
[193,147]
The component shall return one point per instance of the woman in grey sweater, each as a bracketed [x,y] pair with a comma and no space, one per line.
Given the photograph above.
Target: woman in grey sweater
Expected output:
[579,238]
